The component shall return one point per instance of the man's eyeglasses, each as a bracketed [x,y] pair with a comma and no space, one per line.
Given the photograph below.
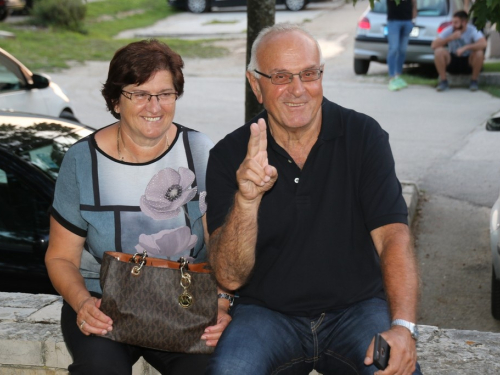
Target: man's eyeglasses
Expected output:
[282,78]
[142,97]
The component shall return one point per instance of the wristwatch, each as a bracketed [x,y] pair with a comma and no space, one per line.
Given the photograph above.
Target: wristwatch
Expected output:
[412,327]
[229,297]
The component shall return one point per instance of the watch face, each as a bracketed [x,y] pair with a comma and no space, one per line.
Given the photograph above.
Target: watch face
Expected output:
[415,332]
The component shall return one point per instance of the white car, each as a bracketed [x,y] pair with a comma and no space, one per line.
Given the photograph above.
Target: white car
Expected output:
[495,254]
[22,90]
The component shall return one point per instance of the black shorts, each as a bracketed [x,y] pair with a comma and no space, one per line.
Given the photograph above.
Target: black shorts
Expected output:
[459,65]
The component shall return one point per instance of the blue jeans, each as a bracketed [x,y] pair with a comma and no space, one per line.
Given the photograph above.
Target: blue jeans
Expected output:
[398,34]
[260,341]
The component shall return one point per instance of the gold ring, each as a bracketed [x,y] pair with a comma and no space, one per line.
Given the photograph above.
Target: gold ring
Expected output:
[81,324]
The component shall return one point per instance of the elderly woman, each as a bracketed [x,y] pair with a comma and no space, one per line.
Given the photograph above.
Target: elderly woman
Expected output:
[136,184]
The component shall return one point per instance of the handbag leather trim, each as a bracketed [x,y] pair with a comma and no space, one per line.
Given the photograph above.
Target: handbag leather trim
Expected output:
[161,263]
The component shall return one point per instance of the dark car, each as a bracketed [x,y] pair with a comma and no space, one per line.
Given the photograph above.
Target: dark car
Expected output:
[200,6]
[8,6]
[31,151]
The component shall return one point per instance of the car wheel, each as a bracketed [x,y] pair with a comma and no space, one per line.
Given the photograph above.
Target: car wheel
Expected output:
[68,116]
[493,124]
[198,6]
[495,295]
[361,66]
[4,12]
[295,5]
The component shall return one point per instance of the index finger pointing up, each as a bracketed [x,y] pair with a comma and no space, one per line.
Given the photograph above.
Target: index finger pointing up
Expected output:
[258,138]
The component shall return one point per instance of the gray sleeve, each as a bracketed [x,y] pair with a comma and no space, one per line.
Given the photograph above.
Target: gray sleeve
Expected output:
[66,202]
[446,32]
[477,35]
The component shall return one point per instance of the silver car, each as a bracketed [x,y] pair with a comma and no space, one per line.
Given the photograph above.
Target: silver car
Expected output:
[495,253]
[22,90]
[371,33]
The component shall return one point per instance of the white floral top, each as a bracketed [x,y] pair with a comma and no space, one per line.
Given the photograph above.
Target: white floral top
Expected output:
[118,206]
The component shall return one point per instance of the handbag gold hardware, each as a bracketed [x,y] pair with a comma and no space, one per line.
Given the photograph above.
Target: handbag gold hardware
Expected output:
[185,299]
[136,271]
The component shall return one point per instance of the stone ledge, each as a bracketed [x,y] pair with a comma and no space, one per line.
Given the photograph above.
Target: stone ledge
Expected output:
[463,80]
[31,343]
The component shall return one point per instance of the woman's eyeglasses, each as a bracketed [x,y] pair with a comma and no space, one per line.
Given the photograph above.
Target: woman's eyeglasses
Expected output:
[142,97]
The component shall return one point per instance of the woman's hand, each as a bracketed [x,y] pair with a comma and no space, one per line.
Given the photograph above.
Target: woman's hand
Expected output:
[91,320]
[213,333]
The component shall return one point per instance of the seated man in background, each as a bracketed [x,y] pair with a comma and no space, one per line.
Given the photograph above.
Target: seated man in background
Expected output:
[465,53]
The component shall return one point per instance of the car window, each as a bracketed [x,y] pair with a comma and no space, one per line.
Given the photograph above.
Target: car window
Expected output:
[380,7]
[426,8]
[11,77]
[23,211]
[432,8]
[49,154]
[41,142]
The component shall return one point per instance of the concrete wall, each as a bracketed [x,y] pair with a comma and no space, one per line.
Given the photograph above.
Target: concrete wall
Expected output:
[493,49]
[31,343]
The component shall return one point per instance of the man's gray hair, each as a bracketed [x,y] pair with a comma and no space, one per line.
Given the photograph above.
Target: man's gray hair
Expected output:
[277,29]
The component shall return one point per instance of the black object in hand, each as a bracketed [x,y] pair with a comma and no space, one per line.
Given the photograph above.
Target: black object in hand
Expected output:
[381,352]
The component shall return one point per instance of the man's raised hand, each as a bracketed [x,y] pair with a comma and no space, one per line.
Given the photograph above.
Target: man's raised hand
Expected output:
[255,176]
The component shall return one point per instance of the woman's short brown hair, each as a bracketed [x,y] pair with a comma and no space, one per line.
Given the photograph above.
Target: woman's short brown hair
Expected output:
[135,64]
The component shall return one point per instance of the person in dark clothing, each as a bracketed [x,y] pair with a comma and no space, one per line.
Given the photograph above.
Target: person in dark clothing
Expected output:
[308,225]
[399,26]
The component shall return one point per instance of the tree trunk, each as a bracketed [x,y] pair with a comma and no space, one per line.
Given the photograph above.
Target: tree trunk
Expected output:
[260,14]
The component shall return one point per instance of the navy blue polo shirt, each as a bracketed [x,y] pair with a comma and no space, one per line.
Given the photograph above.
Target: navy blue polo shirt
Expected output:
[314,251]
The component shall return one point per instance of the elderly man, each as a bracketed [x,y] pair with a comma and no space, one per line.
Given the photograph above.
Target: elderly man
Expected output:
[309,228]
[465,53]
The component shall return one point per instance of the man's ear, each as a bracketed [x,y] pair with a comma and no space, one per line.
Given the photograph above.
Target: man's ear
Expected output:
[255,85]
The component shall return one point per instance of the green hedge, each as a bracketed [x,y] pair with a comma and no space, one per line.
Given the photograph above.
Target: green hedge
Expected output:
[65,14]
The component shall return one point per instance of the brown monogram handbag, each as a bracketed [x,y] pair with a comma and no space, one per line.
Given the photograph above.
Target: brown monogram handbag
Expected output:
[156,303]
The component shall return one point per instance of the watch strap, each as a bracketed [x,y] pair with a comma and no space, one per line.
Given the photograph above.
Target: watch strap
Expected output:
[412,327]
[229,297]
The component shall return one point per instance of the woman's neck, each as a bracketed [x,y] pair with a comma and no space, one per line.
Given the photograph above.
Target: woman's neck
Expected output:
[133,151]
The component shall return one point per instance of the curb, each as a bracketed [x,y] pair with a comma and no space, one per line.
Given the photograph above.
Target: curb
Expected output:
[411,195]
[486,79]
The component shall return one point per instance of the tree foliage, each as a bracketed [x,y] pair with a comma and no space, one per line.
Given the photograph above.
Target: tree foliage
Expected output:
[484,11]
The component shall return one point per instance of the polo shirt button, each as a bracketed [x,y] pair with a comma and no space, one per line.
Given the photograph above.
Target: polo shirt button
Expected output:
[296,180]
[290,161]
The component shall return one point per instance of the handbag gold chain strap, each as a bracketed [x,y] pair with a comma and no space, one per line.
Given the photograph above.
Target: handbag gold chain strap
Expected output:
[185,299]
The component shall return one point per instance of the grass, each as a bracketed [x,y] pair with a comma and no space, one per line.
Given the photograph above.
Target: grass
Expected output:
[49,49]
[427,76]
[491,66]
[218,22]
[419,80]
[492,90]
